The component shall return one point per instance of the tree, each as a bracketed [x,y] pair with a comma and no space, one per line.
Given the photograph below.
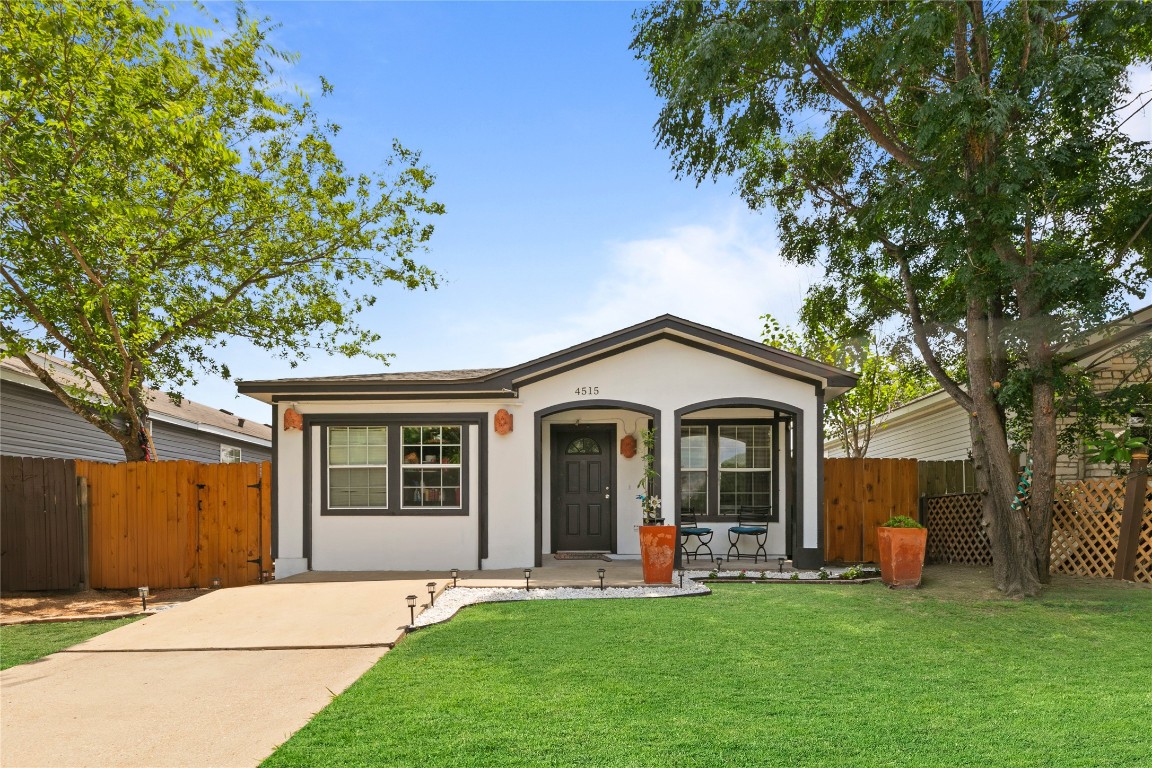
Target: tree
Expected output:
[164,192]
[959,166]
[888,376]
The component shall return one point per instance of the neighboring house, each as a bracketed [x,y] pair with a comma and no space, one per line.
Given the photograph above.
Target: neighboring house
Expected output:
[34,423]
[934,427]
[494,468]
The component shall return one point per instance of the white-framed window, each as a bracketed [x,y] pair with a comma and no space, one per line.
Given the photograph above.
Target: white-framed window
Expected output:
[726,466]
[358,467]
[230,454]
[430,477]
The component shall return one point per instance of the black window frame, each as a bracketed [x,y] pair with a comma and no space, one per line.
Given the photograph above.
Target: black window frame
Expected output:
[395,424]
[712,514]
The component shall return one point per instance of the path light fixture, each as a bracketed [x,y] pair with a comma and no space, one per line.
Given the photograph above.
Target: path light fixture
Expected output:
[780,562]
[600,573]
[431,594]
[455,574]
[143,597]
[411,609]
[681,571]
[719,565]
[527,579]
[215,582]
[264,577]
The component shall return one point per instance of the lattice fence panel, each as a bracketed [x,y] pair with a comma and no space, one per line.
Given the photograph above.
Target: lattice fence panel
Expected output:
[1086,529]
[956,531]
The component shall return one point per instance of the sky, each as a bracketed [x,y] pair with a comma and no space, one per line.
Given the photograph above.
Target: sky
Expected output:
[564,220]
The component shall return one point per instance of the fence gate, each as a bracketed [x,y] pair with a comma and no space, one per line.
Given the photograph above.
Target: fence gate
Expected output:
[41,528]
[178,524]
[860,494]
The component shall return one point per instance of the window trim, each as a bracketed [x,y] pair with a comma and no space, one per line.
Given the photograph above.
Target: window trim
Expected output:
[328,467]
[395,424]
[712,514]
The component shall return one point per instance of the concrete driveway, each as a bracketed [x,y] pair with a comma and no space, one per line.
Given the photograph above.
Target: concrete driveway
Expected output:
[219,681]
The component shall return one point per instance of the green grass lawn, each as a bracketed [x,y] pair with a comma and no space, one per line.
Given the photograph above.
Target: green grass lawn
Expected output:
[22,643]
[758,675]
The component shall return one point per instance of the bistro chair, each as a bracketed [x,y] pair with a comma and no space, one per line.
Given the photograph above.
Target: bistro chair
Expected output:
[750,521]
[689,527]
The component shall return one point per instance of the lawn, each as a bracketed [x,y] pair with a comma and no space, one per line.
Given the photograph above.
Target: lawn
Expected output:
[22,643]
[784,675]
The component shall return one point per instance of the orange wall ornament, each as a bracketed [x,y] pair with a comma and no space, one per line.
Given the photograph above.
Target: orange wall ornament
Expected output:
[503,422]
[628,446]
[293,420]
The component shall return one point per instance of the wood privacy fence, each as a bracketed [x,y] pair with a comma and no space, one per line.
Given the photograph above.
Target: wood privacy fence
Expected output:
[860,494]
[1085,529]
[938,478]
[41,526]
[176,524]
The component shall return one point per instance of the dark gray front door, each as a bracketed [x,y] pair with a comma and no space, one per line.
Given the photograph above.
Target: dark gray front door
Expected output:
[583,488]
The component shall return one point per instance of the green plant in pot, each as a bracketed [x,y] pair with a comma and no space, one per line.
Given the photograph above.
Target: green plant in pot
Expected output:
[657,541]
[903,542]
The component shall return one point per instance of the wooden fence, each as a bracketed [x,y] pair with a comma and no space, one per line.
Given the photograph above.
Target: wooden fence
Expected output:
[860,494]
[175,524]
[1085,529]
[41,526]
[939,478]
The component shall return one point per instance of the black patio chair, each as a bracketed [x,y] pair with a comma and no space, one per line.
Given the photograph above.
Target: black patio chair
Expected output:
[750,521]
[689,527]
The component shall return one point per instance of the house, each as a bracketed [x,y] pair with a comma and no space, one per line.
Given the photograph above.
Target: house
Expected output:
[34,423]
[934,428]
[495,468]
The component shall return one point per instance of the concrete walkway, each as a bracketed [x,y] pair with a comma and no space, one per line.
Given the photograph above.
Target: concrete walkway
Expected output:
[220,681]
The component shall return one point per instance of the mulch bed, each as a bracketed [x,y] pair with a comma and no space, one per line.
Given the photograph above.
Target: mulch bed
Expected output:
[31,607]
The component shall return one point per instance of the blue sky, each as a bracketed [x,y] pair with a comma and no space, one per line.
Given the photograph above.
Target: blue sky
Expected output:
[563,222]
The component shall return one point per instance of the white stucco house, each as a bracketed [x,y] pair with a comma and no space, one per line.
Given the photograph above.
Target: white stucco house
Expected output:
[496,468]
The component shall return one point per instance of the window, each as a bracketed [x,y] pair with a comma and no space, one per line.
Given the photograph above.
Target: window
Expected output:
[358,467]
[694,469]
[435,482]
[745,458]
[726,466]
[229,454]
[583,446]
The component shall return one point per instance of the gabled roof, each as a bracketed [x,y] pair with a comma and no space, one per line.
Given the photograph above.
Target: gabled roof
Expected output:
[505,382]
[187,413]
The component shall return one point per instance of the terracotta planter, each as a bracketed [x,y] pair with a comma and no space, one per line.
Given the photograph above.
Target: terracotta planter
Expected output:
[902,555]
[658,552]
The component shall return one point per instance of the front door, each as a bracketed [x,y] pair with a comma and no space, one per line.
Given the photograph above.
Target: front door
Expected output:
[583,488]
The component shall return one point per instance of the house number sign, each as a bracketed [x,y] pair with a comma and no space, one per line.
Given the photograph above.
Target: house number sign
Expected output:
[585,391]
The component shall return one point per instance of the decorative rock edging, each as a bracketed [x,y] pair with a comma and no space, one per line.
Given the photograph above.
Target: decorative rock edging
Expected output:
[452,600]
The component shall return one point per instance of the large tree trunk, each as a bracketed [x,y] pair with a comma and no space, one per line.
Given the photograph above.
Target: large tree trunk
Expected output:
[1009,535]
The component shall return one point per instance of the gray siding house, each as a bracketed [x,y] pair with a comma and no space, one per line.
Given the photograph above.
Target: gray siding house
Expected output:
[34,423]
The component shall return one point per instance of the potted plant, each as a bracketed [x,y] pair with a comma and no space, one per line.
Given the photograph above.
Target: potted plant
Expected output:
[657,541]
[903,542]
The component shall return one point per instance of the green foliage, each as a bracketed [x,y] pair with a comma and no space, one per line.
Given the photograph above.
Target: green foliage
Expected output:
[889,376]
[1115,448]
[858,572]
[949,682]
[901,521]
[957,168]
[165,192]
[22,643]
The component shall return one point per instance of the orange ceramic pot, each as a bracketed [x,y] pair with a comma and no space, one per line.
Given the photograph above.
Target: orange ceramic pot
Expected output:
[902,555]
[658,552]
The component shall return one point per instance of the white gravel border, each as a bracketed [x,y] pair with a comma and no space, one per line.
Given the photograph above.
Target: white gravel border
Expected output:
[452,600]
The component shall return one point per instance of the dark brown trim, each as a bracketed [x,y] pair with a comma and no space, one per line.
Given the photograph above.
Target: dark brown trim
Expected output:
[792,533]
[712,513]
[480,419]
[277,420]
[374,395]
[538,450]
[504,382]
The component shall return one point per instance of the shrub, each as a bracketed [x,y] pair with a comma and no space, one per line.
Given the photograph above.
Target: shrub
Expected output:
[901,521]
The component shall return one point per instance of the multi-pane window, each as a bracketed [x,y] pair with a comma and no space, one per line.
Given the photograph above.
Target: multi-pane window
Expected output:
[694,469]
[431,466]
[229,454]
[744,454]
[358,467]
[725,467]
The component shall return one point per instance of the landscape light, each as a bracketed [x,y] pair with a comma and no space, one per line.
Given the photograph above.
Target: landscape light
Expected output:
[455,574]
[143,598]
[527,579]
[600,573]
[780,561]
[431,594]
[411,609]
